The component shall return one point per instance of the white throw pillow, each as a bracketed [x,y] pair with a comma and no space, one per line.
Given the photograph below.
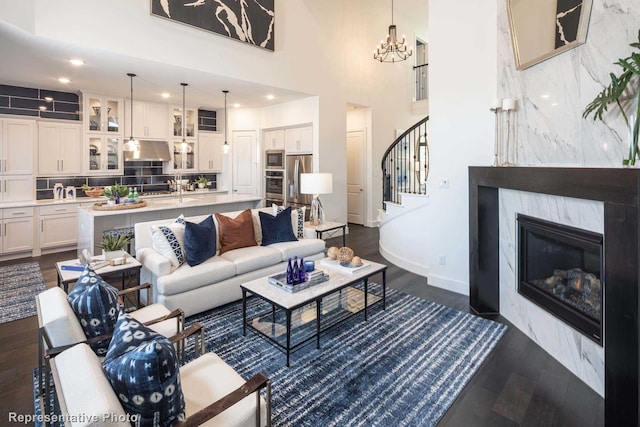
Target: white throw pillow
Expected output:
[168,240]
[297,219]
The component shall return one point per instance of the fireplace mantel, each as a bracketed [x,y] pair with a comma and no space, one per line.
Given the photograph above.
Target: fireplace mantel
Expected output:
[619,190]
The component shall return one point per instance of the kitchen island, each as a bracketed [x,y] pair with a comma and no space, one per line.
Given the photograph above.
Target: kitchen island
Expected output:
[93,223]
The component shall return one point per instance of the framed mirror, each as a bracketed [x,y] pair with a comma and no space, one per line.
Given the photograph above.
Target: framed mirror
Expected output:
[541,29]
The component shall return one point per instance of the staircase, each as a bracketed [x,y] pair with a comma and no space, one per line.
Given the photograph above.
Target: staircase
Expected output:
[405,169]
[405,164]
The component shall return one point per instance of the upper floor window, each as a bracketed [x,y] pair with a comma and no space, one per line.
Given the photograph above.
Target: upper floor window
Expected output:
[421,70]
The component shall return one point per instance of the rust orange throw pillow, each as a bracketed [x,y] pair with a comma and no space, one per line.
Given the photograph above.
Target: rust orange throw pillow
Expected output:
[235,233]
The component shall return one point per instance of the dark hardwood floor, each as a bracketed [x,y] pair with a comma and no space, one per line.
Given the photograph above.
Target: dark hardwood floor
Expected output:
[519,383]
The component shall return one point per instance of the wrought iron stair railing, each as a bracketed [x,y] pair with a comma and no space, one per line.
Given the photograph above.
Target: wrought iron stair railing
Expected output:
[405,164]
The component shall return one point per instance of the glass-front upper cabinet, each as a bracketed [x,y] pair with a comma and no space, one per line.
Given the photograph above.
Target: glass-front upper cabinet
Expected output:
[184,157]
[103,114]
[104,154]
[191,118]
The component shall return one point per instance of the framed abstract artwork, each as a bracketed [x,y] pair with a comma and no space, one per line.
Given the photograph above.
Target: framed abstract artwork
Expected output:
[541,29]
[249,21]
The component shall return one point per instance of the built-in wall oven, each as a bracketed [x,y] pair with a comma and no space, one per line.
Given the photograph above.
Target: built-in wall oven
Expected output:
[274,185]
[274,159]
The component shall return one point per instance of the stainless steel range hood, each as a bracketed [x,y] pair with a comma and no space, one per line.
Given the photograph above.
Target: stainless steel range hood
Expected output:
[149,150]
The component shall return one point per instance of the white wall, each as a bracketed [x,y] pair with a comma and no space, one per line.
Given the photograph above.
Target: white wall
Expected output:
[462,85]
[322,48]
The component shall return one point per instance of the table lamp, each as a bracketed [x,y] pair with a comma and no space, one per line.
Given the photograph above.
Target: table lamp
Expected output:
[316,184]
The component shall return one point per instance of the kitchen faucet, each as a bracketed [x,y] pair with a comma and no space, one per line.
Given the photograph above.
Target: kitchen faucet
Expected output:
[178,181]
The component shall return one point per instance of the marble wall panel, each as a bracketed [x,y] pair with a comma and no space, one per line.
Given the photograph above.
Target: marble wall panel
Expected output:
[552,95]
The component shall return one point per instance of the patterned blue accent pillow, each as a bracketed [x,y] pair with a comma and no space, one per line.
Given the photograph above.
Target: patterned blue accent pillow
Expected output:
[169,241]
[200,241]
[128,334]
[96,305]
[144,373]
[276,229]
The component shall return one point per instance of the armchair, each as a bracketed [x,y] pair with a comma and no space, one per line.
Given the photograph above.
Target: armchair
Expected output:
[214,393]
[59,328]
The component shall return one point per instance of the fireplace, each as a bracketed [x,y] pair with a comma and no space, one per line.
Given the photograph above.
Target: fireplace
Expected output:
[619,191]
[560,269]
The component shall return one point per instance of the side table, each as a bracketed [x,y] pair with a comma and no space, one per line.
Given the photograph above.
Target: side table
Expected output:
[328,226]
[70,270]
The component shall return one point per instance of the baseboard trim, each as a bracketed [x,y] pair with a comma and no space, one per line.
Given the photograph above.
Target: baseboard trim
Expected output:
[449,284]
[421,270]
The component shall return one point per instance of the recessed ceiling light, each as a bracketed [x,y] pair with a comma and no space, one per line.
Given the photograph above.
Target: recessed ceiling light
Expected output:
[76,61]
[48,98]
[165,94]
[236,105]
[270,97]
[64,80]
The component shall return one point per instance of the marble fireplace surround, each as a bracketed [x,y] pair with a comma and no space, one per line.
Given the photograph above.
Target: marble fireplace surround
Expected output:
[619,191]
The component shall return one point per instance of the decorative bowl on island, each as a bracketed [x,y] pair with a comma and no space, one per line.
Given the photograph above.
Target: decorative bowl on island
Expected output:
[94,192]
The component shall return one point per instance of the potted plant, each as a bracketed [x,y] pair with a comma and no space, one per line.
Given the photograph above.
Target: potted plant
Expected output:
[113,246]
[202,182]
[621,93]
[114,192]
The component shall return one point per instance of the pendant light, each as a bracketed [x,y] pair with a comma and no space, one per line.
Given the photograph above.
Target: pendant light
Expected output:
[226,147]
[184,148]
[132,144]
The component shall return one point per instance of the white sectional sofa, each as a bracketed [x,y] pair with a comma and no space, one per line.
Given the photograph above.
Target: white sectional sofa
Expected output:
[217,280]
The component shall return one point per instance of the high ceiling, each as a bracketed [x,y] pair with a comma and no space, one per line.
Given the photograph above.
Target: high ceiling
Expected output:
[34,61]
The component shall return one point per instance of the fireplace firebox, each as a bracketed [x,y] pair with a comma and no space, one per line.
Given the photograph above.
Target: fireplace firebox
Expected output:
[560,269]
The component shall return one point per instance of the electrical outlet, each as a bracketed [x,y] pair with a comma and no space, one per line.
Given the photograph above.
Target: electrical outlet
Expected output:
[444,184]
[442,260]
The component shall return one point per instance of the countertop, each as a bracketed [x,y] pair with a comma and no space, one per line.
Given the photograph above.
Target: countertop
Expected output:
[172,203]
[91,200]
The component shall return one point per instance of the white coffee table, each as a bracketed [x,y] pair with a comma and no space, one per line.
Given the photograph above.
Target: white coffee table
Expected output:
[289,302]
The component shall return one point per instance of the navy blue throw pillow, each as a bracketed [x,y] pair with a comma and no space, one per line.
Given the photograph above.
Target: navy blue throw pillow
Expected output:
[144,373]
[200,241]
[276,229]
[96,305]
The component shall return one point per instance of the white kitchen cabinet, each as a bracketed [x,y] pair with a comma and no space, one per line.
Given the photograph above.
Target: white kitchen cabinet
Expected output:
[149,120]
[191,118]
[189,164]
[16,230]
[274,140]
[210,151]
[103,153]
[17,140]
[103,114]
[59,148]
[17,188]
[299,140]
[58,225]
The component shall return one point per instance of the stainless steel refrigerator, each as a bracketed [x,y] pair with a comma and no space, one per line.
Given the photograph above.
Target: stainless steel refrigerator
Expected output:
[296,165]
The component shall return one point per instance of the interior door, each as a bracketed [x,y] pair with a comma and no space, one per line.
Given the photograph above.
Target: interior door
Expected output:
[245,162]
[355,177]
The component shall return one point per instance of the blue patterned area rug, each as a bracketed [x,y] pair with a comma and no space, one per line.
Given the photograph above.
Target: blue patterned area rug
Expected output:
[404,367]
[19,284]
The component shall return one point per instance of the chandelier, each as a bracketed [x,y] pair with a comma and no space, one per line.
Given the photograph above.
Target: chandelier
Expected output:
[392,50]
